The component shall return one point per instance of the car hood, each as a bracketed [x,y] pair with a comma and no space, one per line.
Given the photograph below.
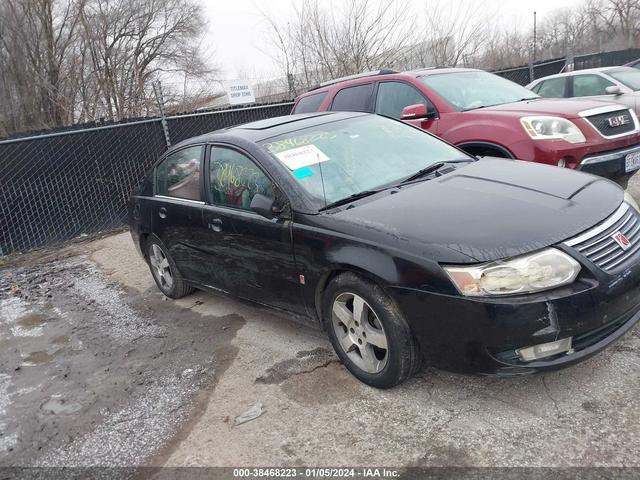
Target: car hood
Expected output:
[487,210]
[567,108]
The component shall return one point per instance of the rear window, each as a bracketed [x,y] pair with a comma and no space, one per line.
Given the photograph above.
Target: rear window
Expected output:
[309,104]
[179,174]
[353,99]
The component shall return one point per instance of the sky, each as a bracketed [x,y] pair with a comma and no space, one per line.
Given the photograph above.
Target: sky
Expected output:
[239,39]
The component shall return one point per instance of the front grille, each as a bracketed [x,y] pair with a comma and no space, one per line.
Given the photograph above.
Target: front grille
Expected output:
[598,245]
[602,122]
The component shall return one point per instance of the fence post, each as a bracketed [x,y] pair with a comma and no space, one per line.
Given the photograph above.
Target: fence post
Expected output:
[568,63]
[157,90]
[532,74]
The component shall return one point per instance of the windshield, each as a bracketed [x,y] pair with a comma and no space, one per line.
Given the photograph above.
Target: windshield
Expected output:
[626,75]
[335,160]
[471,90]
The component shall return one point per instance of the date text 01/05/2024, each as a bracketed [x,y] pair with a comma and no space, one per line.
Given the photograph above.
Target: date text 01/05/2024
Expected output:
[322,472]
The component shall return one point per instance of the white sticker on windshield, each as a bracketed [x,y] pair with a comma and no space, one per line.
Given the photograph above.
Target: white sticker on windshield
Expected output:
[300,157]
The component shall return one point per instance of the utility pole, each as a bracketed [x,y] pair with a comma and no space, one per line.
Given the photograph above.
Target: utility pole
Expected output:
[535,36]
[532,52]
[157,89]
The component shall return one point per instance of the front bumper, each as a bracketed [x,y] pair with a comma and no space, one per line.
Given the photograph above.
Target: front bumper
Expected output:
[553,152]
[467,334]
[608,164]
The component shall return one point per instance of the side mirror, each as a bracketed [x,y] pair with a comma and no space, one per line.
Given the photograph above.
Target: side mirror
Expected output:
[414,112]
[613,90]
[262,205]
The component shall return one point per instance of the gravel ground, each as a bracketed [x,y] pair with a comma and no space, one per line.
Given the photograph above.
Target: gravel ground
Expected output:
[97,368]
[93,373]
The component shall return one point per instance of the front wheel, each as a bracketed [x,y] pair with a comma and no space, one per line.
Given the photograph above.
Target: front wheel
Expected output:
[164,271]
[368,332]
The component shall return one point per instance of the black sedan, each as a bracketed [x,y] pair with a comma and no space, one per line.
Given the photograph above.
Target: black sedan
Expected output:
[400,246]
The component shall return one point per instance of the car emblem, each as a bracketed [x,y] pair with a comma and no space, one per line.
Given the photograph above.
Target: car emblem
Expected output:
[618,120]
[621,240]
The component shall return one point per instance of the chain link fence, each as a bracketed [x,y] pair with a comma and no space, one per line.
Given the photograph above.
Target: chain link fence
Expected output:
[525,74]
[60,184]
[65,183]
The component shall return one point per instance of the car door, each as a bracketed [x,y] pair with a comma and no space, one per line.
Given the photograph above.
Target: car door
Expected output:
[393,96]
[248,255]
[177,209]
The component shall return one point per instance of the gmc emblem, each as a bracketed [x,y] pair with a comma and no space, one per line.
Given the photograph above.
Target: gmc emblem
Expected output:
[621,240]
[619,120]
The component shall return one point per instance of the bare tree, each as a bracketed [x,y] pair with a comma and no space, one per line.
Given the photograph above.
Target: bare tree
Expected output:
[456,32]
[622,17]
[325,40]
[63,61]
[131,42]
[36,64]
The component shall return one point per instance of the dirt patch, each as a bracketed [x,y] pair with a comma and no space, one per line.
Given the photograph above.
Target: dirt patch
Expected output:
[328,384]
[306,361]
[94,373]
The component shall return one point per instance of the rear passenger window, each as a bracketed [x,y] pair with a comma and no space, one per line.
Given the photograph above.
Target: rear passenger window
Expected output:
[552,88]
[354,99]
[310,103]
[235,179]
[179,174]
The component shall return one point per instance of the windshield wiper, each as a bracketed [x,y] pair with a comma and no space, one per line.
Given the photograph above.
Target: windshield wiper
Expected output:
[350,198]
[497,104]
[431,168]
[423,172]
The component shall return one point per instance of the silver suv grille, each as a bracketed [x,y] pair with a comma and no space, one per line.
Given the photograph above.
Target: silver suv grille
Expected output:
[599,246]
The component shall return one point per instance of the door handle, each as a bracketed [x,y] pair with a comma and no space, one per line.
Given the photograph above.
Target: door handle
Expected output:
[215,225]
[162,212]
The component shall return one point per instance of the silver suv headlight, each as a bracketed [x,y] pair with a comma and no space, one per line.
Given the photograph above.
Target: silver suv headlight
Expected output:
[549,268]
[549,128]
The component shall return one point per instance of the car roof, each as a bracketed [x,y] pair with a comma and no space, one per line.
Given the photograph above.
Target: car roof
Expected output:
[578,72]
[356,80]
[271,127]
[422,72]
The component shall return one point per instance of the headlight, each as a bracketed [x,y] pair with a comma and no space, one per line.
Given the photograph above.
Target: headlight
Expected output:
[546,269]
[631,201]
[549,128]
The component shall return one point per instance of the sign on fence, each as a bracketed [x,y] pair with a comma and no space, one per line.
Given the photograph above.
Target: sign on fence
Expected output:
[239,92]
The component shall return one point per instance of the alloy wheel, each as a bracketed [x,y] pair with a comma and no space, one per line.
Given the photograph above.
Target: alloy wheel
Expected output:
[359,332]
[161,267]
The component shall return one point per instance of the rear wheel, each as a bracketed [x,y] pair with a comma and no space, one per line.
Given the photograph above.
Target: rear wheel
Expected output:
[164,271]
[368,332]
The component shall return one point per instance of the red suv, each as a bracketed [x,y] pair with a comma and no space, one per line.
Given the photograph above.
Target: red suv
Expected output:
[487,115]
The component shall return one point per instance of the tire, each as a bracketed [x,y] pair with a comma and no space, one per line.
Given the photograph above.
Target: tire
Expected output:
[170,282]
[358,340]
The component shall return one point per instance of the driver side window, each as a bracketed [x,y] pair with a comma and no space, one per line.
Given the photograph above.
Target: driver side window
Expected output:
[394,96]
[235,179]
[590,85]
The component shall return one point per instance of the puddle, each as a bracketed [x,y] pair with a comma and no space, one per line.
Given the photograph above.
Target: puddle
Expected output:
[37,358]
[22,321]
[32,320]
[59,406]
